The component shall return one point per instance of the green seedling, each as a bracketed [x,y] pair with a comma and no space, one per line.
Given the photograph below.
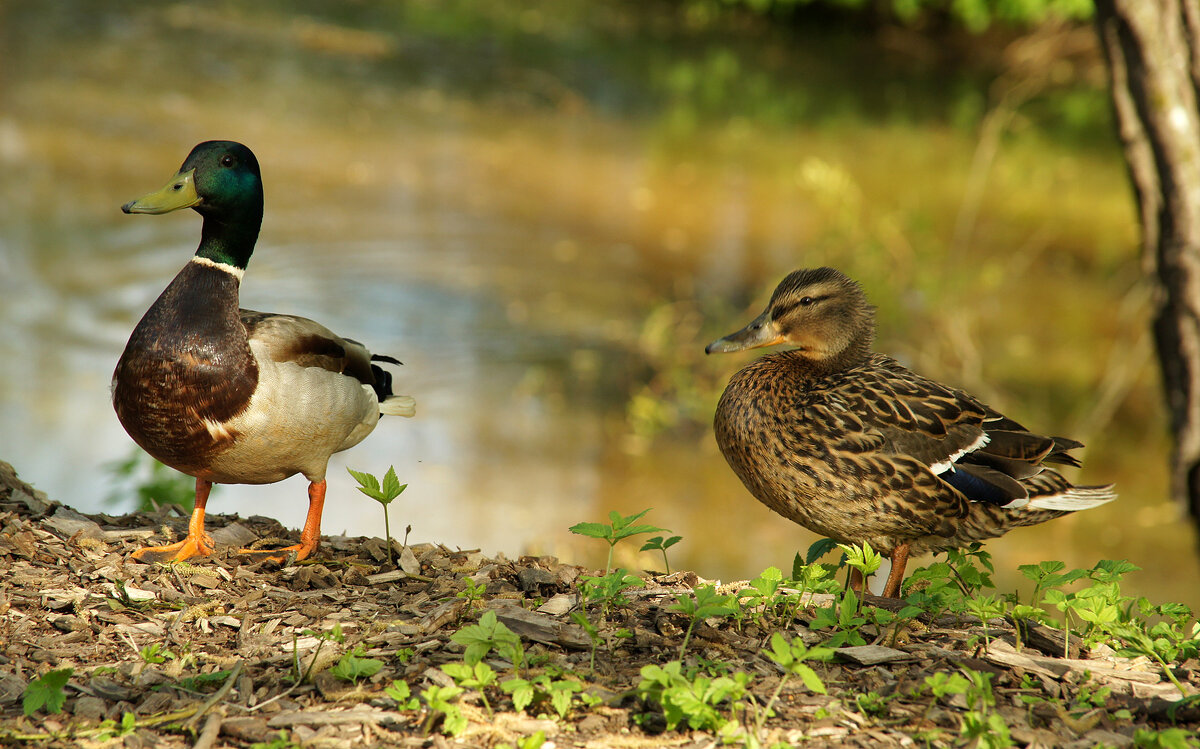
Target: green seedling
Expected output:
[791,655]
[47,692]
[443,701]
[659,543]
[986,608]
[402,694]
[560,693]
[703,603]
[472,591]
[202,682]
[981,724]
[695,698]
[282,740]
[383,494]
[763,594]
[941,685]
[619,528]
[110,729]
[352,666]
[488,635]
[1170,738]
[477,677]
[154,654]
[333,635]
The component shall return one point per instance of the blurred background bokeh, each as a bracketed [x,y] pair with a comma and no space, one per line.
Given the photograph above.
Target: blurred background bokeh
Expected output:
[546,209]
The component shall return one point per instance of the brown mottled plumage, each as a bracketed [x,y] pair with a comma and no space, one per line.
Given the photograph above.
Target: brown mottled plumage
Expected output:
[852,445]
[235,396]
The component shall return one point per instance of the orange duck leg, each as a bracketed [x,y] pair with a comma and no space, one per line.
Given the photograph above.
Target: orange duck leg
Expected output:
[197,542]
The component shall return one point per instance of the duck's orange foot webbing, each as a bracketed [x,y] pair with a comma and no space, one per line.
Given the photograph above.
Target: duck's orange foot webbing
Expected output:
[310,537]
[896,576]
[196,544]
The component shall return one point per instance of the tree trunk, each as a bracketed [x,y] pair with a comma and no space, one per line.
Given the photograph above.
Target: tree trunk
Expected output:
[1153,53]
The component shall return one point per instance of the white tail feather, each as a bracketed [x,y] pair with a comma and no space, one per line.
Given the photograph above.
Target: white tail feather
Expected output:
[399,405]
[1076,498]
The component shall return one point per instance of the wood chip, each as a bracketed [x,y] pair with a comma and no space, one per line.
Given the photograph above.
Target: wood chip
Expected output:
[870,655]
[542,628]
[333,718]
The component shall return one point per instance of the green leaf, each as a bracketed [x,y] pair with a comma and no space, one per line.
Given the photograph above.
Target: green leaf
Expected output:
[391,484]
[47,691]
[592,530]
[810,678]
[521,690]
[368,484]
[818,549]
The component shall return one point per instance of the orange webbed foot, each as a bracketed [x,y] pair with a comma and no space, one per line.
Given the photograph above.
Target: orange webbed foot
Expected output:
[282,556]
[192,546]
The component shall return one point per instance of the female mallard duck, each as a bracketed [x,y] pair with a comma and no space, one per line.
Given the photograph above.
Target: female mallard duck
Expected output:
[851,445]
[233,396]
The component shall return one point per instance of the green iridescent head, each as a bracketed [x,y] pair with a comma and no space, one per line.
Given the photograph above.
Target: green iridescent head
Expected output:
[221,181]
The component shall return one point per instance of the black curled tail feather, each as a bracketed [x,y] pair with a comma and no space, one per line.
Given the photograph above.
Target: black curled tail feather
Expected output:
[382,379]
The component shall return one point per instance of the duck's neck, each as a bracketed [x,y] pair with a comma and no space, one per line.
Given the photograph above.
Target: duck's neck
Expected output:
[855,354]
[230,242]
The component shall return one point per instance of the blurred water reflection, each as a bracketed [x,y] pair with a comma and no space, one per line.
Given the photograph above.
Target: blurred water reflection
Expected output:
[507,204]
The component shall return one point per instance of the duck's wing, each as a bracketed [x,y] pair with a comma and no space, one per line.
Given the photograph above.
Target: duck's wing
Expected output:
[984,455]
[288,338]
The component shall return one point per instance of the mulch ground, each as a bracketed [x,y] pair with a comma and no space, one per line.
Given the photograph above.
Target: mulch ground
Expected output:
[71,597]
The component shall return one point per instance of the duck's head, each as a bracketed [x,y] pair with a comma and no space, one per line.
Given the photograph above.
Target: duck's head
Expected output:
[221,181]
[821,311]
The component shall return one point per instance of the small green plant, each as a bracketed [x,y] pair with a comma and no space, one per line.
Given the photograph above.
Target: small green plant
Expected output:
[383,493]
[154,654]
[981,724]
[402,694]
[844,618]
[201,682]
[333,635]
[282,740]
[352,666]
[560,693]
[111,729]
[478,676]
[696,699]
[872,703]
[443,700]
[1171,738]
[47,692]
[535,740]
[941,685]
[986,608]
[762,596]
[472,591]
[619,528]
[703,603]
[487,635]
[792,656]
[601,595]
[660,543]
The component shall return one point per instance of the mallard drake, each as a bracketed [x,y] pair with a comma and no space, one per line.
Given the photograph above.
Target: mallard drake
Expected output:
[851,445]
[230,395]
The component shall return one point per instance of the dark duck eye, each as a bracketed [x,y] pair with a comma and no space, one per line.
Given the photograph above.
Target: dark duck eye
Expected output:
[228,160]
[807,301]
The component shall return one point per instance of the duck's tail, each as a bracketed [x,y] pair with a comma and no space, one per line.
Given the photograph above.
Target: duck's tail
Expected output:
[398,405]
[389,404]
[1075,498]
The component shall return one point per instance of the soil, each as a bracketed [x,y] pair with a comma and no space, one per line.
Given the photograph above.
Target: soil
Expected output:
[231,637]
